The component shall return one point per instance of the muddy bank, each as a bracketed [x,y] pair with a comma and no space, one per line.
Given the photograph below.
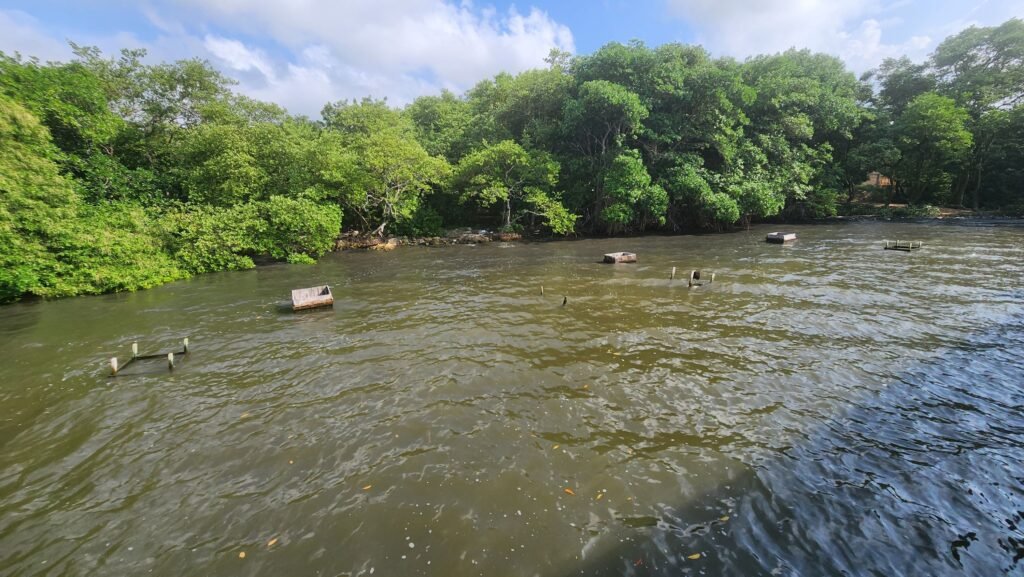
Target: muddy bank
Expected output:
[358,240]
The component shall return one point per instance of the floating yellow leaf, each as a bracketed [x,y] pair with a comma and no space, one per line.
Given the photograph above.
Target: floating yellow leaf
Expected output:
[556,446]
[367,488]
[693,557]
[272,542]
[599,497]
[723,518]
[585,387]
[569,491]
[241,554]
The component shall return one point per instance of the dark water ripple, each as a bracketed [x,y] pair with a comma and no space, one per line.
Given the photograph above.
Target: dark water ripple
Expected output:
[824,408]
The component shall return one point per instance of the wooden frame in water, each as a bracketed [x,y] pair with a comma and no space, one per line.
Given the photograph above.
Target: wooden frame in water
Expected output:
[312,297]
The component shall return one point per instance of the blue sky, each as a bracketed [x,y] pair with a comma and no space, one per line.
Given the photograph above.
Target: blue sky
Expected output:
[303,53]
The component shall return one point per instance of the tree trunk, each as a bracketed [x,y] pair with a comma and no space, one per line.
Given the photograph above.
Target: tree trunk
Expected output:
[961,187]
[977,190]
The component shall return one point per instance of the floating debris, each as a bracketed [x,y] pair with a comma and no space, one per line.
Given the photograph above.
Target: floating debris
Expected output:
[620,257]
[780,237]
[313,297]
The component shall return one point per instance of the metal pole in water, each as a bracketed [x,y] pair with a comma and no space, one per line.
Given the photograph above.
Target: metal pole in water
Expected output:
[113,366]
[135,349]
[170,361]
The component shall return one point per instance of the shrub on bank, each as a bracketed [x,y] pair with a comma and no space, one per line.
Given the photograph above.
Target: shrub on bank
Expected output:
[891,212]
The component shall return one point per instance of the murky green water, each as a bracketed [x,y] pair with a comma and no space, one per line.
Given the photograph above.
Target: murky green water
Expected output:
[823,408]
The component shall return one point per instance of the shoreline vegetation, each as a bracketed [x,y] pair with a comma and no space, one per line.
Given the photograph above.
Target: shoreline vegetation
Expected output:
[355,240]
[119,175]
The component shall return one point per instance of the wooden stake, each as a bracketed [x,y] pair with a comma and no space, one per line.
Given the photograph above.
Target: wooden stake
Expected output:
[541,290]
[135,349]
[565,301]
[170,361]
[113,365]
[673,275]
[712,277]
[185,343]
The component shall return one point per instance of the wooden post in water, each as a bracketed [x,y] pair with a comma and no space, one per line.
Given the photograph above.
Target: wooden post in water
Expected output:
[712,277]
[170,361]
[565,300]
[135,349]
[113,366]
[673,275]
[541,290]
[185,343]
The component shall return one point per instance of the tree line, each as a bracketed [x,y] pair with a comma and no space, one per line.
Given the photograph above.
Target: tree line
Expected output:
[120,175]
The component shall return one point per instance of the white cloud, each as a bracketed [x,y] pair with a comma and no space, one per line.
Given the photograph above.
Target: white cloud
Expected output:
[854,30]
[864,48]
[397,49]
[21,33]
[310,52]
[305,85]
[237,56]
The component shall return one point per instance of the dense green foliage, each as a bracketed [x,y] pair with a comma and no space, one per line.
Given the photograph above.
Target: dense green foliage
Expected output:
[119,175]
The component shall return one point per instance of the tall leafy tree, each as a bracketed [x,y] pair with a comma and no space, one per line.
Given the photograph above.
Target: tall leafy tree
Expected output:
[441,123]
[599,123]
[391,172]
[982,69]
[632,198]
[519,181]
[932,138]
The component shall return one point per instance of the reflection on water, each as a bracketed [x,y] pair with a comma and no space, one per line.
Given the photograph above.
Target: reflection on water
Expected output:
[822,408]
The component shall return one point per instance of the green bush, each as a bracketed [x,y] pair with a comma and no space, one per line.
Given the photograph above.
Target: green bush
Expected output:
[425,222]
[51,243]
[113,248]
[916,211]
[818,203]
[208,238]
[890,212]
[1016,210]
[297,227]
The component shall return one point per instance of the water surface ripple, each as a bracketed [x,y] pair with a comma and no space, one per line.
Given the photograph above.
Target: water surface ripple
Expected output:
[822,408]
